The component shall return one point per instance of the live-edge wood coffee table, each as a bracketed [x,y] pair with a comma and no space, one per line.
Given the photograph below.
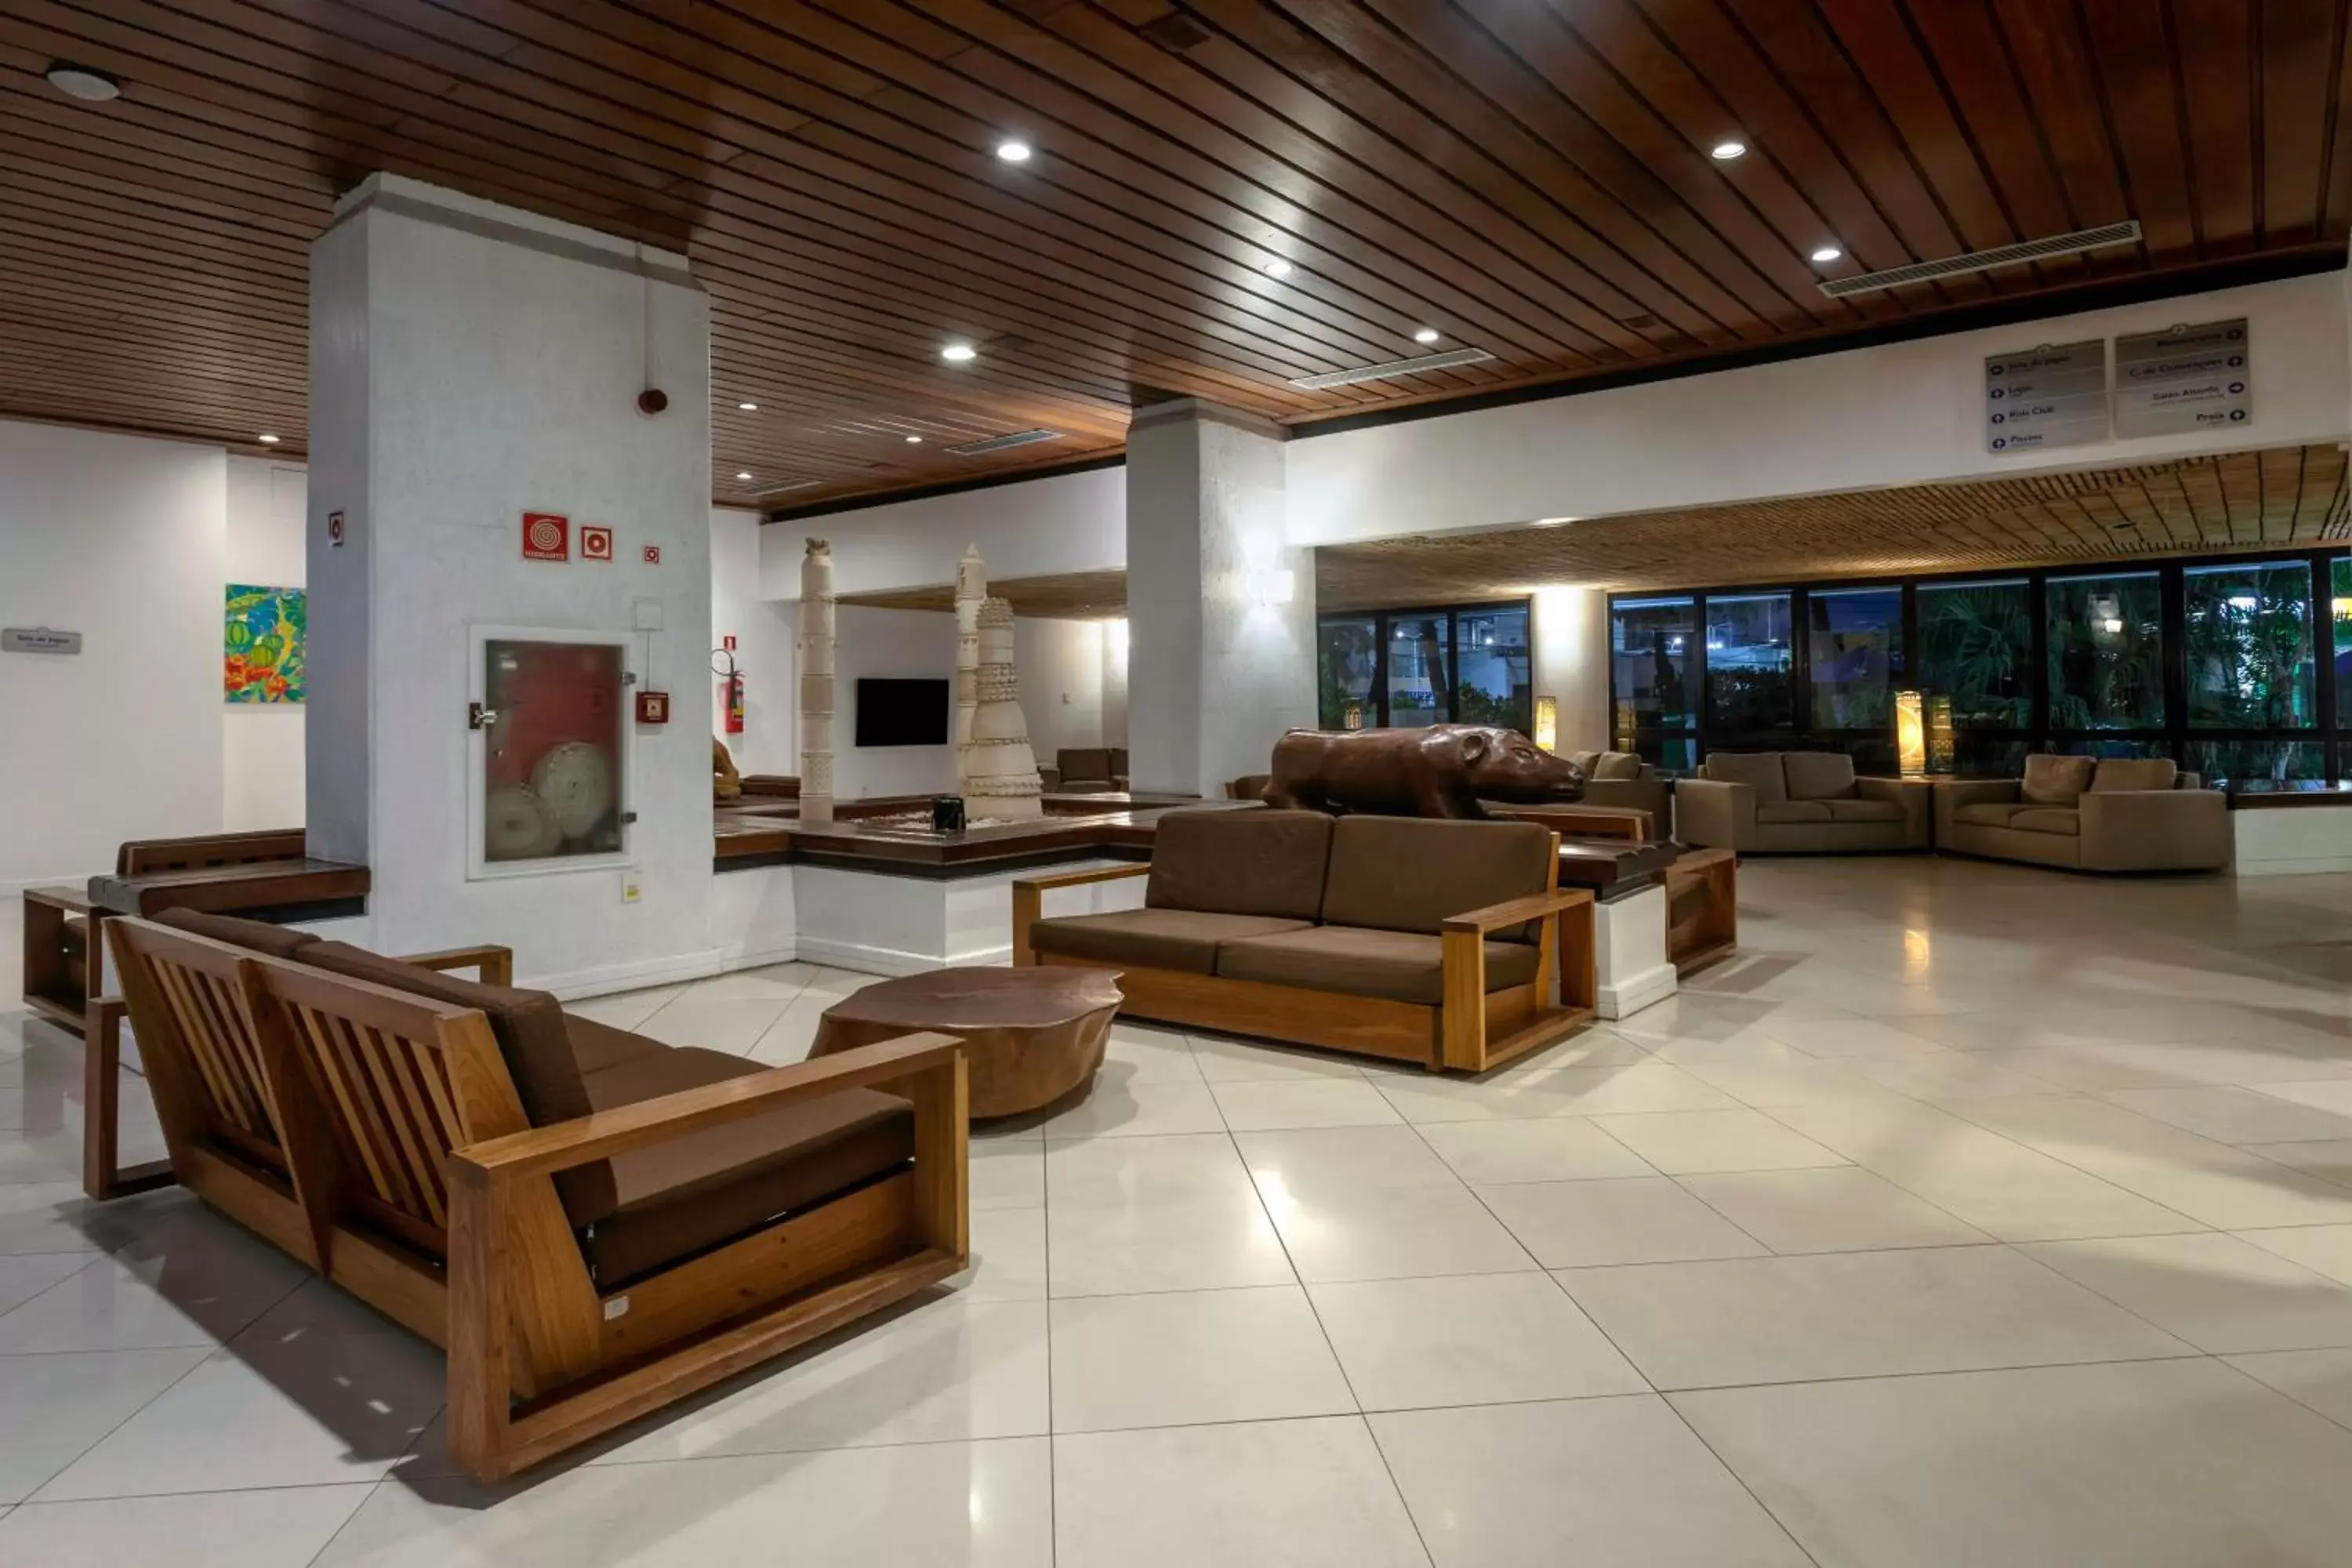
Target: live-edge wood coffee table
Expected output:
[1032,1035]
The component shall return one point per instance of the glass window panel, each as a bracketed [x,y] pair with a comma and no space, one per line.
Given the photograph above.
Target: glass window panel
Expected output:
[1855,646]
[1649,657]
[1346,661]
[2115,746]
[2249,634]
[1417,674]
[2339,617]
[1977,756]
[551,752]
[1976,645]
[2256,766]
[1750,684]
[1492,684]
[1671,754]
[2106,652]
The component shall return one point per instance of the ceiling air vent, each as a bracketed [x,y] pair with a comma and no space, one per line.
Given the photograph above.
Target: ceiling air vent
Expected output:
[2125,233]
[1004,443]
[764,491]
[1394,367]
[1640,324]
[1175,32]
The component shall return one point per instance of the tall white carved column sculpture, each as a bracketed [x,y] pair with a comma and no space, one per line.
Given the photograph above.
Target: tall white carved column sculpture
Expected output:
[817,682]
[971,587]
[999,771]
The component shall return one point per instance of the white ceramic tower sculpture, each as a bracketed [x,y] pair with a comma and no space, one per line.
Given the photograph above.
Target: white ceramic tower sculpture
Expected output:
[1000,771]
[971,587]
[817,682]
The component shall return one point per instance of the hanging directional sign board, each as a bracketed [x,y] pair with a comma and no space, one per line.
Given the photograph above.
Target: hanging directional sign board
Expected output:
[2184,379]
[2054,396]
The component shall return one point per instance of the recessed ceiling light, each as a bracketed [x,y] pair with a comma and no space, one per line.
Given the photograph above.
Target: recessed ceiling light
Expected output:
[749,407]
[266,440]
[743,473]
[82,82]
[1426,335]
[914,440]
[957,353]
[1014,152]
[1552,521]
[1277,267]
[1828,253]
[1725,152]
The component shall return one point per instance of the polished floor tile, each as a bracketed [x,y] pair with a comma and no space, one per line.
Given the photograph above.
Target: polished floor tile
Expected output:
[1392,1233]
[2234,1115]
[27,1275]
[1591,1481]
[1682,1143]
[729,1023]
[1637,1219]
[1341,1162]
[57,1405]
[2319,1379]
[1008,1257]
[2167,1464]
[1184,1358]
[1220,1059]
[1138,1110]
[2216,1292]
[1854,1314]
[264,1529]
[2322,1248]
[1557,1149]
[1271,1105]
[1210,1244]
[1280,1494]
[1840,1209]
[1007,1175]
[1478,1339]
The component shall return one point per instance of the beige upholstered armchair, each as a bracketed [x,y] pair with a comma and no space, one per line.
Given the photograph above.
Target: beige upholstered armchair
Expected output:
[1622,780]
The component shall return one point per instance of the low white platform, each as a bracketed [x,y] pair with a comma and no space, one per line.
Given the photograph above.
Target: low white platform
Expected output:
[2284,841]
[878,924]
[1629,953]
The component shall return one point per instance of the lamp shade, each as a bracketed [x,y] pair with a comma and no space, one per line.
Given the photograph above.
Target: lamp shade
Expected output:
[1910,734]
[1547,722]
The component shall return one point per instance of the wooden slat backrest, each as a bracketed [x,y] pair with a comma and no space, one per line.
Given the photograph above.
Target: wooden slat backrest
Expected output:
[141,856]
[201,990]
[401,1081]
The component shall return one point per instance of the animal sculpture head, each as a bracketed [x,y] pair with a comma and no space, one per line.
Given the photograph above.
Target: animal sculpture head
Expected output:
[1503,765]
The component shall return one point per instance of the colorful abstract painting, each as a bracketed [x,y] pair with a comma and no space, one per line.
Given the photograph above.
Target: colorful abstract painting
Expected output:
[263,638]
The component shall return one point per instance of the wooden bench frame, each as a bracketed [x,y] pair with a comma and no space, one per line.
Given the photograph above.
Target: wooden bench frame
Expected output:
[377,1137]
[1472,1030]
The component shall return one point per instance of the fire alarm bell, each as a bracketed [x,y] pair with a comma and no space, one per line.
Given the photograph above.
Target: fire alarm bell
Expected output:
[653,707]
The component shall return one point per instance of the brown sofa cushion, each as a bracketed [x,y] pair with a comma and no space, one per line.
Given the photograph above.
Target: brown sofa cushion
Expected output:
[1403,966]
[1087,764]
[255,936]
[1760,770]
[1863,810]
[2063,819]
[1615,765]
[2133,773]
[1989,812]
[1786,811]
[1239,862]
[671,1200]
[1183,940]
[1817,775]
[529,1025]
[597,1046]
[1413,874]
[2054,780]
[1587,763]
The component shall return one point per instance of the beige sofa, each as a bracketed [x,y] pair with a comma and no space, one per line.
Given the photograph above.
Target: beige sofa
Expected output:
[1806,803]
[2089,814]
[1622,779]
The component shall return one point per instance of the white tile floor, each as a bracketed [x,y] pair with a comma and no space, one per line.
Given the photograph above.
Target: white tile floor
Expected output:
[1972,1215]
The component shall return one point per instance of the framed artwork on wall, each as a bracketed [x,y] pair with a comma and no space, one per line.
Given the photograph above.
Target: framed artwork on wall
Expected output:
[263,636]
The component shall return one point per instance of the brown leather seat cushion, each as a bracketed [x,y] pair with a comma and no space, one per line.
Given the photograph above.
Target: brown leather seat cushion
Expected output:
[1786,811]
[255,936]
[1403,966]
[671,1200]
[1153,938]
[1241,862]
[2049,819]
[596,1045]
[1863,810]
[1413,874]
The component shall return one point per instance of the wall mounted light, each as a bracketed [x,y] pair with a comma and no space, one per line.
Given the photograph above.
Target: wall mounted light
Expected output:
[1277,586]
[1548,723]
[1910,735]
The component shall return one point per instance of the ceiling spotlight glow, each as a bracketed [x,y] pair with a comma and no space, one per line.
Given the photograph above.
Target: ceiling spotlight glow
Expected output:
[914,440]
[1426,335]
[1725,152]
[266,440]
[743,474]
[1277,267]
[959,354]
[1013,152]
[82,82]
[749,407]
[1552,521]
[1828,253]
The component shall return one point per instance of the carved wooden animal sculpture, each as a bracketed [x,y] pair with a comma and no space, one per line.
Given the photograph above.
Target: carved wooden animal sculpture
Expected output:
[1442,771]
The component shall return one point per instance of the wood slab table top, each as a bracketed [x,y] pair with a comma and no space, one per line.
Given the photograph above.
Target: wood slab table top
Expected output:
[1031,1036]
[227,889]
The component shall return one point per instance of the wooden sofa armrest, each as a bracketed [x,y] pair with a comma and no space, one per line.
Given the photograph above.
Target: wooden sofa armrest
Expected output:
[494,964]
[1029,899]
[1518,912]
[602,1134]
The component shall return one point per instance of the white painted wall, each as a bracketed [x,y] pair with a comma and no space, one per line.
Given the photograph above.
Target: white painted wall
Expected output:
[764,631]
[1571,662]
[261,744]
[1060,665]
[1114,683]
[470,362]
[123,540]
[916,645]
[1065,522]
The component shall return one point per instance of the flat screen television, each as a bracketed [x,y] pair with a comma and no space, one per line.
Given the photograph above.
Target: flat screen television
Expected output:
[902,713]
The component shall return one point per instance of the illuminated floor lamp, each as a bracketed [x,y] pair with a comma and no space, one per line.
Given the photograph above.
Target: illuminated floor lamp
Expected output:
[1548,723]
[1910,735]
[1942,755]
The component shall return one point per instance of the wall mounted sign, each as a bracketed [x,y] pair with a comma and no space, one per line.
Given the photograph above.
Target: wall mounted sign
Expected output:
[39,639]
[2054,396]
[546,536]
[595,544]
[2184,379]
[335,530]
[653,555]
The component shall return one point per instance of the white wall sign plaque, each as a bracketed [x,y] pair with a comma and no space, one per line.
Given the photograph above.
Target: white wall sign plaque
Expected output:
[39,639]
[2184,379]
[2054,396]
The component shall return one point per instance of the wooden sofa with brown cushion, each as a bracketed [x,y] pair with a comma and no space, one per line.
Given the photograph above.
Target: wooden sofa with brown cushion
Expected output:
[592,1223]
[1437,942]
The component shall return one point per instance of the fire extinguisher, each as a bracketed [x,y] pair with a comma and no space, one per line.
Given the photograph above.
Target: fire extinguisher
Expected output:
[730,685]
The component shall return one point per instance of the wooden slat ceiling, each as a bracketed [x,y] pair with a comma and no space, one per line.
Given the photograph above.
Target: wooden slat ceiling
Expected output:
[2243,501]
[1526,176]
[1063,595]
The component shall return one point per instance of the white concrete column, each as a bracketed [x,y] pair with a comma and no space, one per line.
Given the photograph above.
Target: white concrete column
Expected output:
[470,362]
[1571,662]
[1221,643]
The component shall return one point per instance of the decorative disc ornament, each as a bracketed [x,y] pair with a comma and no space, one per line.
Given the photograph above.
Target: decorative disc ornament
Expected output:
[575,781]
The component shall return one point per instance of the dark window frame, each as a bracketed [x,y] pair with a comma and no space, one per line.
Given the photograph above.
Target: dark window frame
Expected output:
[1376,715]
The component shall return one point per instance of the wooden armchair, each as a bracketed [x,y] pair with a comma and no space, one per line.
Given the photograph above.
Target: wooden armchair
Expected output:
[378,1137]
